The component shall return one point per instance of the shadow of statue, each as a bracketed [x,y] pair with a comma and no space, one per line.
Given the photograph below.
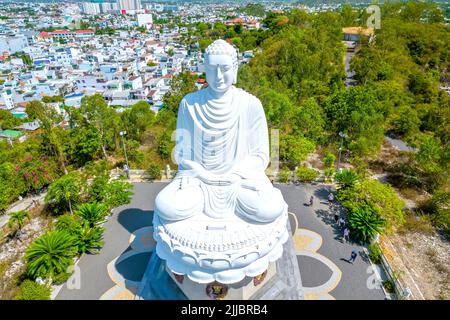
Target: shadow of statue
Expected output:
[132,262]
[133,219]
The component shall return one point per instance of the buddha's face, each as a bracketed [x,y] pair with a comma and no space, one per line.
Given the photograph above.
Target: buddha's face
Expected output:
[220,72]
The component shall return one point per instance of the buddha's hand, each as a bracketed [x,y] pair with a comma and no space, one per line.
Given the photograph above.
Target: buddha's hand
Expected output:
[207,177]
[194,166]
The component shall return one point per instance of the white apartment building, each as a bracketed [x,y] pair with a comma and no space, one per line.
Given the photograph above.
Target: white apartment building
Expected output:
[91,8]
[145,20]
[129,4]
[13,44]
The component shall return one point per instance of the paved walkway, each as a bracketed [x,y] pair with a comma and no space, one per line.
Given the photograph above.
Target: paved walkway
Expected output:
[356,279]
[117,270]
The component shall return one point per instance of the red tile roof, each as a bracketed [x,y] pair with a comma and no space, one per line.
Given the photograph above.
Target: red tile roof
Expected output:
[85,31]
[61,32]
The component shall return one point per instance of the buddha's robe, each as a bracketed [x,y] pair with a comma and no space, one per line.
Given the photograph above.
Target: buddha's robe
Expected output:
[224,136]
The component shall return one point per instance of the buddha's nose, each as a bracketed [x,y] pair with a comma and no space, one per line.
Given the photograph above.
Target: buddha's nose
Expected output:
[219,74]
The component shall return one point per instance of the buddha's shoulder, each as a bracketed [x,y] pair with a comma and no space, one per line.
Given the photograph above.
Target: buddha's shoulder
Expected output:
[253,100]
[193,97]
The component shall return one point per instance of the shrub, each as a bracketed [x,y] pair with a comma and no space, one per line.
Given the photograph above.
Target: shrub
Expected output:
[389,286]
[346,178]
[365,223]
[61,278]
[283,175]
[329,159]
[50,254]
[30,290]
[420,224]
[329,172]
[17,219]
[438,207]
[93,213]
[68,223]
[375,253]
[89,239]
[306,174]
[154,172]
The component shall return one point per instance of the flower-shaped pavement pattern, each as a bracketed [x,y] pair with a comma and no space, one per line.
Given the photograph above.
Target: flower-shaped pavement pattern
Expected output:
[319,274]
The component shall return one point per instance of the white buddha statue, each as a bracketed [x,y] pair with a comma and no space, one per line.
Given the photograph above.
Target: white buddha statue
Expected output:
[222,150]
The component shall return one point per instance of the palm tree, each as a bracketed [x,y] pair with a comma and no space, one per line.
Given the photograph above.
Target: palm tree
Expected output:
[346,178]
[65,191]
[51,254]
[18,219]
[94,213]
[365,223]
[89,239]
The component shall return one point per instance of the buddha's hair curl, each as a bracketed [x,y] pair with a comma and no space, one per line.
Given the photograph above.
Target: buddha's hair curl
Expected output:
[221,47]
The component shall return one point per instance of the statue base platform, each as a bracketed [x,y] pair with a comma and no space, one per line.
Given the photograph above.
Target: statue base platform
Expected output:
[282,281]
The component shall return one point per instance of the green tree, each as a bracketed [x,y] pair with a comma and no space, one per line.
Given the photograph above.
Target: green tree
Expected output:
[50,254]
[137,119]
[10,186]
[378,196]
[294,149]
[17,219]
[96,116]
[165,145]
[309,120]
[66,191]
[181,85]
[8,121]
[356,112]
[48,118]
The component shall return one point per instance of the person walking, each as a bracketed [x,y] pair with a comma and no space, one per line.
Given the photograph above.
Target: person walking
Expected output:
[341,222]
[346,236]
[353,256]
[311,201]
[330,199]
[336,218]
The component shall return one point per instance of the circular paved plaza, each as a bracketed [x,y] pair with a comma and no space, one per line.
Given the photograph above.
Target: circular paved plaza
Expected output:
[115,272]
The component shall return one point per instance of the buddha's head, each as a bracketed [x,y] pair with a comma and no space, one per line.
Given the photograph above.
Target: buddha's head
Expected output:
[221,66]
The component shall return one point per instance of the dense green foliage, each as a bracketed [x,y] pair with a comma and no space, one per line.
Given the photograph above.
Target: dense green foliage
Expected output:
[380,198]
[31,290]
[304,174]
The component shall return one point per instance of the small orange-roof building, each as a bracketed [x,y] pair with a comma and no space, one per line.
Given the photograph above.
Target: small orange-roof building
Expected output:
[354,33]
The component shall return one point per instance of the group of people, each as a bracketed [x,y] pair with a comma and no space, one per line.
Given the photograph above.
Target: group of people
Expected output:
[340,221]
